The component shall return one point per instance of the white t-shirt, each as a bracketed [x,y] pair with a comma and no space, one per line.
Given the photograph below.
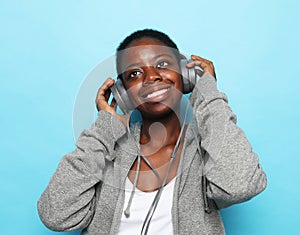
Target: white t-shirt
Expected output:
[161,222]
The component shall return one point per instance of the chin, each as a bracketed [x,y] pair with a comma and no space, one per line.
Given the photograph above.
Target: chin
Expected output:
[158,110]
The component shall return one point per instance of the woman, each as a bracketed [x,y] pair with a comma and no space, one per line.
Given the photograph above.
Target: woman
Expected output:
[165,174]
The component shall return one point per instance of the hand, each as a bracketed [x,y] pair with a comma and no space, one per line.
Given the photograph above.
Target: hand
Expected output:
[206,65]
[102,100]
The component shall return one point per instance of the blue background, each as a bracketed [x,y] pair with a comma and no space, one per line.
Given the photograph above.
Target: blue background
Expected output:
[48,48]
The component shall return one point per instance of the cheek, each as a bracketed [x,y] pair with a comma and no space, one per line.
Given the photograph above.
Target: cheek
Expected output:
[180,83]
[176,78]
[133,91]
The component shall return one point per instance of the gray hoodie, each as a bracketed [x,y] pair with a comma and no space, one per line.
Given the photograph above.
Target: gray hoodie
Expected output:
[87,189]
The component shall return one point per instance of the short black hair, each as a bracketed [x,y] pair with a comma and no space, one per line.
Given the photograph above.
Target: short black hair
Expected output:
[145,33]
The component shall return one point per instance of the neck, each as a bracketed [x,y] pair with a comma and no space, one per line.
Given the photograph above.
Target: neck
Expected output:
[161,131]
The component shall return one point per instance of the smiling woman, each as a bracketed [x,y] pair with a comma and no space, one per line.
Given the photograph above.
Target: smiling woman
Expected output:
[151,76]
[167,174]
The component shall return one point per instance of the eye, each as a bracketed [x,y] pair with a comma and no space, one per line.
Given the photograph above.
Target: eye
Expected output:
[134,74]
[162,64]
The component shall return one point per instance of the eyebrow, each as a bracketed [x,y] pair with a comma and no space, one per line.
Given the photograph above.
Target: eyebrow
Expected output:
[155,57]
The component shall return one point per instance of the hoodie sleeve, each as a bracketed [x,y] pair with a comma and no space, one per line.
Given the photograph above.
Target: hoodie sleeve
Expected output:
[232,171]
[68,201]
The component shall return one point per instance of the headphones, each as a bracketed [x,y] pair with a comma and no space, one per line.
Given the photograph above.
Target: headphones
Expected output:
[120,94]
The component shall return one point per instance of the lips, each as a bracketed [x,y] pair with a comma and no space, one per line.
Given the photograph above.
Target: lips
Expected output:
[156,93]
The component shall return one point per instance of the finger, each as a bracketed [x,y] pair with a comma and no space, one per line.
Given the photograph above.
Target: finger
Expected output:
[105,86]
[104,92]
[196,57]
[204,64]
[199,59]
[108,82]
[107,94]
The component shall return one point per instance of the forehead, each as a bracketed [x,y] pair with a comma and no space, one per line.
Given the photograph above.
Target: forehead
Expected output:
[144,50]
[147,42]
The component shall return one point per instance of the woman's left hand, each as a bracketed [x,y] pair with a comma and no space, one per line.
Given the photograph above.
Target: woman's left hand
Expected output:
[206,65]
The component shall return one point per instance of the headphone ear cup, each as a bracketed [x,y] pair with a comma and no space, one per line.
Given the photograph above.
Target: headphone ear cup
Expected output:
[121,96]
[188,77]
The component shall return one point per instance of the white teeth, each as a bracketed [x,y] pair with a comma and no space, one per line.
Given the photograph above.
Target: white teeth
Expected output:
[156,93]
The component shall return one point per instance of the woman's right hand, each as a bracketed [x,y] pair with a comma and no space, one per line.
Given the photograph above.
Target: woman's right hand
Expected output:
[103,97]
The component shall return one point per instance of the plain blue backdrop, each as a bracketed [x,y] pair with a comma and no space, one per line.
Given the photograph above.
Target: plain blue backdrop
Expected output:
[47,48]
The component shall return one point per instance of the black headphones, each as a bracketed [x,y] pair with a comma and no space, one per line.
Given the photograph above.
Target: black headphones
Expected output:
[120,94]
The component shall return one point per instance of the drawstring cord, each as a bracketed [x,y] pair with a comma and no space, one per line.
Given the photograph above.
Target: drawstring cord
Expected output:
[127,210]
[154,204]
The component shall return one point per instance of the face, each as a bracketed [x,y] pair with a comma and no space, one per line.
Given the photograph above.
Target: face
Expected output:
[151,75]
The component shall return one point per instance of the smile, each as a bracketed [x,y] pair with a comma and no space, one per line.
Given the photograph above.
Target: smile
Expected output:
[157,93]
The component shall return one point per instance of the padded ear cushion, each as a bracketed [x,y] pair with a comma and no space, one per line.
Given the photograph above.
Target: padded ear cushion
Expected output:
[188,77]
[120,94]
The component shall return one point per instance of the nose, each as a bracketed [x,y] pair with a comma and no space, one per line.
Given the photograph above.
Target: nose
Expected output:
[151,75]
